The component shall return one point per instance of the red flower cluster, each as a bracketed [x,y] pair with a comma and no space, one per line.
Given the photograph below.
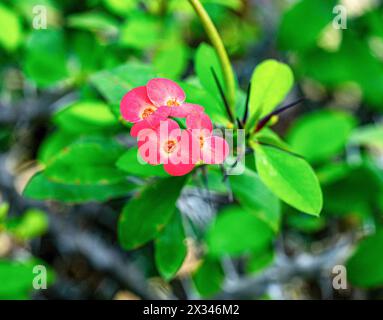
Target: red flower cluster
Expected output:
[160,139]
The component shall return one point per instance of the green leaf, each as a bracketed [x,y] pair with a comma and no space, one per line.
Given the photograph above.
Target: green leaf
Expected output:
[46,69]
[146,214]
[170,247]
[94,21]
[42,188]
[141,32]
[121,7]
[32,224]
[206,59]
[267,136]
[259,261]
[256,198]
[16,278]
[115,83]
[208,278]
[203,97]
[88,161]
[11,36]
[305,223]
[236,231]
[4,208]
[171,60]
[370,135]
[53,144]
[87,116]
[302,24]
[271,82]
[321,134]
[132,163]
[291,178]
[332,172]
[232,4]
[361,184]
[365,267]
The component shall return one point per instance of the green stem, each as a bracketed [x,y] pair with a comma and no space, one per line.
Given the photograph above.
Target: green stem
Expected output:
[216,41]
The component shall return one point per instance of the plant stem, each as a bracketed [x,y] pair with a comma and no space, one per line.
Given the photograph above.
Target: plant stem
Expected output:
[217,43]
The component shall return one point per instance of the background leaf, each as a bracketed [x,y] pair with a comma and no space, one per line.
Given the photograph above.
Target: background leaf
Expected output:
[10,23]
[365,266]
[236,231]
[256,198]
[129,162]
[209,277]
[170,247]
[310,16]
[149,212]
[40,187]
[321,134]
[46,70]
[87,161]
[86,117]
[115,83]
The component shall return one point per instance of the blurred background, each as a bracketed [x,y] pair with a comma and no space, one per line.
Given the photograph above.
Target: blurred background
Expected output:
[48,65]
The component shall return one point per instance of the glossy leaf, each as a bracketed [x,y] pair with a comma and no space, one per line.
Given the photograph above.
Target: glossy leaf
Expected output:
[115,83]
[16,278]
[365,266]
[53,144]
[140,32]
[46,69]
[42,188]
[86,117]
[302,24]
[260,260]
[93,21]
[132,163]
[10,23]
[171,60]
[170,247]
[291,178]
[256,198]
[88,161]
[148,212]
[321,134]
[206,59]
[208,278]
[271,82]
[31,224]
[236,231]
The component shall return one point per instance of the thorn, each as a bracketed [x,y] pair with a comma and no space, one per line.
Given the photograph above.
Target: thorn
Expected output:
[264,121]
[281,149]
[246,114]
[222,93]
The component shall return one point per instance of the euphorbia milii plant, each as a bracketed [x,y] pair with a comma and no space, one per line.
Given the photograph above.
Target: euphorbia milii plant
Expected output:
[160,139]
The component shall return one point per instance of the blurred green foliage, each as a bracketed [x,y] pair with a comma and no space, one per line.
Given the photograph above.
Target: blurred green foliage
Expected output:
[101,49]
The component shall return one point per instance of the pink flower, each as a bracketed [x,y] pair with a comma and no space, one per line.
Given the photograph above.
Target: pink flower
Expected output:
[213,149]
[143,103]
[160,139]
[170,146]
[170,96]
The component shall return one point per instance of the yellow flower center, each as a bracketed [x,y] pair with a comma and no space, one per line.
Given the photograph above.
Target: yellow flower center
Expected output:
[172,103]
[201,141]
[147,112]
[170,146]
